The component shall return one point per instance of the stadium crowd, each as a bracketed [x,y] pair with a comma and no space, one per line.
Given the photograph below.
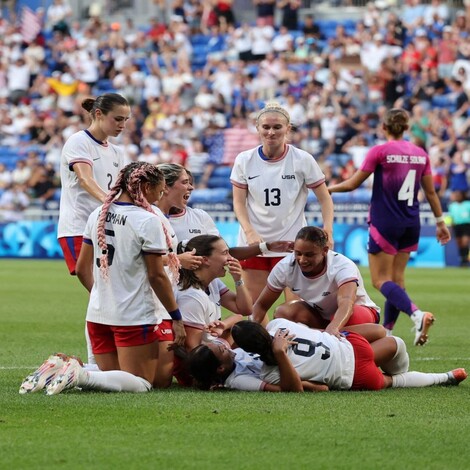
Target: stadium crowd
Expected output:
[195,77]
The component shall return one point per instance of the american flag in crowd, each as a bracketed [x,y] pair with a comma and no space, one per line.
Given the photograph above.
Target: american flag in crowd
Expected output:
[30,24]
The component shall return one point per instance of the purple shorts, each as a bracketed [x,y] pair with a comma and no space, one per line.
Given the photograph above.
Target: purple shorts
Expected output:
[393,240]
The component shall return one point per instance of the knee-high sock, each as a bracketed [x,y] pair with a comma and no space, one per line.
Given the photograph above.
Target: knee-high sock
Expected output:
[91,356]
[390,315]
[398,297]
[418,379]
[115,381]
[400,363]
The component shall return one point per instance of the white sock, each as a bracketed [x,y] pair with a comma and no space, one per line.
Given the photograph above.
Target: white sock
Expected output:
[91,356]
[91,367]
[389,332]
[400,363]
[114,381]
[418,379]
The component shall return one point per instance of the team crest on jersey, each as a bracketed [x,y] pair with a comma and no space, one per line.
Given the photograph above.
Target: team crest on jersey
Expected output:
[288,177]
[116,164]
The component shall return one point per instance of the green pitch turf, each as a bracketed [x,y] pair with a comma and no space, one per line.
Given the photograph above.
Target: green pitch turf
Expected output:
[42,310]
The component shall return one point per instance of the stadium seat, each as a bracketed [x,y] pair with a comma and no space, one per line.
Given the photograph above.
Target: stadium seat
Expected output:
[213,195]
[222,171]
[219,182]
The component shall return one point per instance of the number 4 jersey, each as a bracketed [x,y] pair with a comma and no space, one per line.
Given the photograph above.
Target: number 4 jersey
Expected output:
[398,168]
[276,191]
[317,356]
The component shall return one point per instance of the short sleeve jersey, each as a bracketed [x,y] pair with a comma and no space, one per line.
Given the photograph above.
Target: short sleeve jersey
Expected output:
[398,168]
[317,356]
[321,291]
[191,223]
[75,203]
[126,297]
[199,308]
[277,191]
[246,375]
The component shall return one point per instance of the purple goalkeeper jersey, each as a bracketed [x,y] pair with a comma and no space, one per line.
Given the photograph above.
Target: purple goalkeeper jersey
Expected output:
[398,167]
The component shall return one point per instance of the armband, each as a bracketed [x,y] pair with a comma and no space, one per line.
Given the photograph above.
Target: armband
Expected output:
[440,219]
[175,314]
[263,247]
[239,283]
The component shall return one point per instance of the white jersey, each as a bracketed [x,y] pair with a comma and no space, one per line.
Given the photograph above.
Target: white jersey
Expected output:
[76,204]
[126,297]
[247,372]
[161,311]
[317,356]
[321,291]
[199,308]
[191,223]
[277,191]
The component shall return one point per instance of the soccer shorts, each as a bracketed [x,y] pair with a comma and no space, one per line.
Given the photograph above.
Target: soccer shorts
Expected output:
[106,339]
[393,240]
[261,263]
[367,376]
[362,314]
[71,247]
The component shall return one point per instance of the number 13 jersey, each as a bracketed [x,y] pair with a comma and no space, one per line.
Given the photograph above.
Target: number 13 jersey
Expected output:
[276,191]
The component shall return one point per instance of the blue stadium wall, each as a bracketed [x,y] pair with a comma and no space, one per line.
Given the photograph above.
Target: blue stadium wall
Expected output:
[38,239]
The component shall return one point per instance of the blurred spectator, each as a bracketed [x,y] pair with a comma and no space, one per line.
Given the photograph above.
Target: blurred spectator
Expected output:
[5,177]
[13,202]
[290,13]
[265,10]
[58,16]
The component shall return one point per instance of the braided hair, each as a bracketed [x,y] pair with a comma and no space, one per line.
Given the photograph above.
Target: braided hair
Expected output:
[130,180]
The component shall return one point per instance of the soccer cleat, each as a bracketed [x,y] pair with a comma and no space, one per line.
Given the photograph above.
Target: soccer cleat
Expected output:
[456,376]
[68,377]
[44,375]
[422,325]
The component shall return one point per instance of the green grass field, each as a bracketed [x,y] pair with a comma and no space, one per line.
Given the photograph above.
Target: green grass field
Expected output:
[43,309]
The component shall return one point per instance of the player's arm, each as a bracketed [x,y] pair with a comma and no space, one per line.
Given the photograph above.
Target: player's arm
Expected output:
[245,252]
[84,173]
[84,268]
[264,302]
[326,205]
[193,337]
[239,207]
[345,298]
[314,386]
[240,301]
[161,285]
[442,231]
[351,183]
[290,379]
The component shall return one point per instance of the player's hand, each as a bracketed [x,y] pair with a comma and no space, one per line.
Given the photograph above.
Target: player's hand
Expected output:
[443,234]
[282,340]
[215,328]
[333,330]
[234,268]
[180,332]
[253,238]
[189,260]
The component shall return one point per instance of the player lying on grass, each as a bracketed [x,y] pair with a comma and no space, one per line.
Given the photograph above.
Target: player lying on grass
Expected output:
[292,357]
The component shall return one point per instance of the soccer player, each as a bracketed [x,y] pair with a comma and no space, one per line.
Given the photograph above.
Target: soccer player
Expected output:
[88,170]
[270,188]
[459,212]
[121,265]
[330,287]
[292,357]
[399,168]
[201,293]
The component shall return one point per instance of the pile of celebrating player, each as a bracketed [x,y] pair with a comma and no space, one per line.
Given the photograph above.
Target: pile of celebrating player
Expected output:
[153,268]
